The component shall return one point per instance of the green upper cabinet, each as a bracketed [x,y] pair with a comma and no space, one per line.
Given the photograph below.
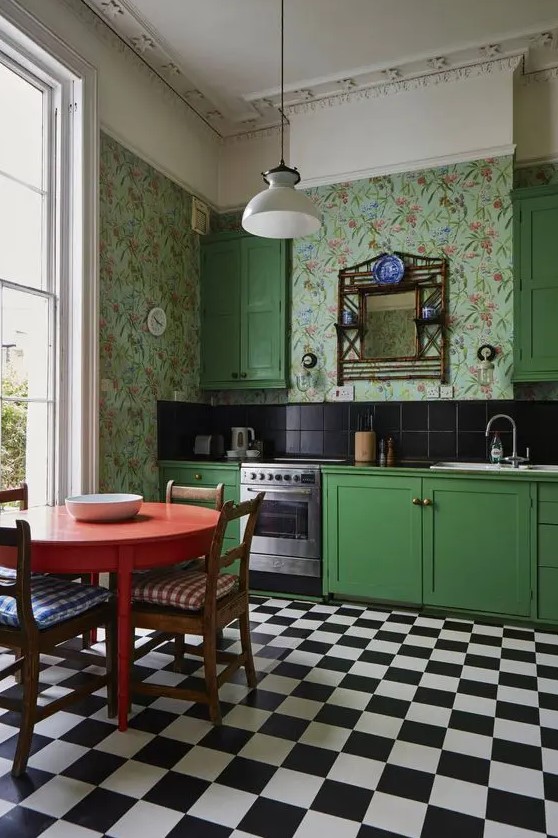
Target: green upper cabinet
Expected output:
[243,312]
[476,545]
[535,284]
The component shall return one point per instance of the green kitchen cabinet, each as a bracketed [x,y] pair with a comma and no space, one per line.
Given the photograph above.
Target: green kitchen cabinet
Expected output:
[535,284]
[205,474]
[243,312]
[476,545]
[372,535]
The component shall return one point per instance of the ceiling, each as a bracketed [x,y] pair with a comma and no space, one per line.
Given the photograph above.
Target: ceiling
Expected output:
[223,56]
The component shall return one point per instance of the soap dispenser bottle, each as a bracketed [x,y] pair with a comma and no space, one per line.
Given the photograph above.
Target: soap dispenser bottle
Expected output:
[496,449]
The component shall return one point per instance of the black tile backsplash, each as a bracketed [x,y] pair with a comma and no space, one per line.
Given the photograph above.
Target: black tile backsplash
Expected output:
[421,430]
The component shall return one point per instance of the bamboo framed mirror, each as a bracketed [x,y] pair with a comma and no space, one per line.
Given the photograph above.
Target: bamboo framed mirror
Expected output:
[392,319]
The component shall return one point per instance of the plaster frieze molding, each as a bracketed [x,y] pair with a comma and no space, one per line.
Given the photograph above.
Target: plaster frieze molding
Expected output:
[377,91]
[540,76]
[82,12]
[261,133]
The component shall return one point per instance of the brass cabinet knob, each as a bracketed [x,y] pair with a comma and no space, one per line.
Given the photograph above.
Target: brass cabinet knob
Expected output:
[198,476]
[243,375]
[417,501]
[427,502]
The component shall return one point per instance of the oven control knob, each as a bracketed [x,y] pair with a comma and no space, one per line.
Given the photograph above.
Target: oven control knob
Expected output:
[296,478]
[278,476]
[270,476]
[261,475]
[253,476]
[287,477]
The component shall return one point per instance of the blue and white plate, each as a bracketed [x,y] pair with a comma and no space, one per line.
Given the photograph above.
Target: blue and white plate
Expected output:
[388,269]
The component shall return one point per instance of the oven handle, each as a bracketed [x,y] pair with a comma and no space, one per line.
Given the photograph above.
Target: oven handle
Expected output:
[288,491]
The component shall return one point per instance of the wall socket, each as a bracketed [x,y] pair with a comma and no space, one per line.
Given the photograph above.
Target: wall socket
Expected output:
[446,391]
[432,391]
[343,394]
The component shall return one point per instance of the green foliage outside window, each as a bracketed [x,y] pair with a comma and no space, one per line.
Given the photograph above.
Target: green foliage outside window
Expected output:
[14,429]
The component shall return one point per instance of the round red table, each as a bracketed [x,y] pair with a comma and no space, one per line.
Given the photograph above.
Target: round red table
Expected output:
[161,534]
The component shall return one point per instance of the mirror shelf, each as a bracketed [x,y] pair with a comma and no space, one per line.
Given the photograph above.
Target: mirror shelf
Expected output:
[394,329]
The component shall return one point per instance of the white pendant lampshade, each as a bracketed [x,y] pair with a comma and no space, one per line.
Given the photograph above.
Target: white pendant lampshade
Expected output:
[281,211]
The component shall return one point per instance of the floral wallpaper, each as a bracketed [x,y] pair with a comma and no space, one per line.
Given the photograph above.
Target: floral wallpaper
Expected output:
[149,256]
[542,175]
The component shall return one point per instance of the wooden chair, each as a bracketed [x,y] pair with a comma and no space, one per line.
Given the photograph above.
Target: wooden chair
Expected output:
[19,495]
[203,601]
[36,614]
[196,494]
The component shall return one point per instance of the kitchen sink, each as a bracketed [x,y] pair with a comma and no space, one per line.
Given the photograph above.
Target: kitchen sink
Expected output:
[450,466]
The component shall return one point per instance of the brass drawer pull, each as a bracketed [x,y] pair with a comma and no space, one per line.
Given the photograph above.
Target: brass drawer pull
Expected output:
[244,375]
[427,502]
[417,501]
[197,476]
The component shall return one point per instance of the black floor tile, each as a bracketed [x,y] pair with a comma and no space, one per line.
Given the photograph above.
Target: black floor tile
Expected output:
[272,819]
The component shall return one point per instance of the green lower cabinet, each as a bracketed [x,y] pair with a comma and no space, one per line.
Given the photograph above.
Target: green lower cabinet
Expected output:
[373,537]
[476,545]
[206,474]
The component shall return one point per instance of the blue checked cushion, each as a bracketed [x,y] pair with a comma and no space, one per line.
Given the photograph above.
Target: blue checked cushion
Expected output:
[178,588]
[53,600]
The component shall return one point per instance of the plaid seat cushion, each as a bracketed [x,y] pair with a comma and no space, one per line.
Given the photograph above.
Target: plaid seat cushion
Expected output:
[53,600]
[178,588]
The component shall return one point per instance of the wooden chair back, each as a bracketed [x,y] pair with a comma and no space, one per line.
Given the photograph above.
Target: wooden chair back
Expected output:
[217,560]
[20,494]
[20,587]
[203,494]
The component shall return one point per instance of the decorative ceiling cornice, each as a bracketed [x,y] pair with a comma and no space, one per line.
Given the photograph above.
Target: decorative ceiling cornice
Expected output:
[260,111]
[106,32]
[407,85]
[540,75]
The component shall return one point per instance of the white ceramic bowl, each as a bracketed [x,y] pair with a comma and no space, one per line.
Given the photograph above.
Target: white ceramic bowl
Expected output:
[103,507]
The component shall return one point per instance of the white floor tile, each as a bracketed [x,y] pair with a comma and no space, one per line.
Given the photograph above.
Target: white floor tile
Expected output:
[292,788]
[319,825]
[516,779]
[221,804]
[475,704]
[56,756]
[206,763]
[303,658]
[429,715]
[551,811]
[301,708]
[145,819]
[268,749]
[350,653]
[395,689]
[459,796]
[472,744]
[368,670]
[247,718]
[353,699]
[325,736]
[417,757]
[329,677]
[278,684]
[396,814]
[187,729]
[58,796]
[64,829]
[379,725]
[515,695]
[134,778]
[517,732]
[357,771]
[493,829]
[125,745]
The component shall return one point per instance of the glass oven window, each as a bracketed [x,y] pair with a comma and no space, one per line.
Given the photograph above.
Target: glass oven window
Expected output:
[283,519]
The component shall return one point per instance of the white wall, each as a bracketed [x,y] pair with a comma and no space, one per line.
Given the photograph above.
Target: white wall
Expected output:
[243,159]
[536,120]
[136,107]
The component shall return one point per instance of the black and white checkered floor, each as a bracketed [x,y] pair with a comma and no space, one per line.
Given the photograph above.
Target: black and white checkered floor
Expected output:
[366,722]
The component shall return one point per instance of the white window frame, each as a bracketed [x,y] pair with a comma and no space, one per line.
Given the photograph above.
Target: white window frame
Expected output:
[30,44]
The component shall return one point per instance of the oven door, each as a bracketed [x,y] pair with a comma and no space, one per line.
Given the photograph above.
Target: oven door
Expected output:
[289,521]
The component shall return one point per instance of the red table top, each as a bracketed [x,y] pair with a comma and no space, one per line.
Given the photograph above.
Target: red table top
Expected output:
[154,522]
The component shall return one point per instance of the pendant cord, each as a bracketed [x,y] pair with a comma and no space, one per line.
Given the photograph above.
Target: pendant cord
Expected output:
[282,73]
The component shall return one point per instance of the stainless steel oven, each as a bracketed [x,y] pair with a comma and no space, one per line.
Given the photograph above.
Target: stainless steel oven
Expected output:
[287,539]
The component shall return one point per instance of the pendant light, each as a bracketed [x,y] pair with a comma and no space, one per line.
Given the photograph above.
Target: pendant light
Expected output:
[281,211]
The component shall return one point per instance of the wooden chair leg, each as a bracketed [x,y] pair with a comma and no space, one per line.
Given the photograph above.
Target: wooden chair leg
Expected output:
[210,667]
[17,675]
[30,678]
[178,652]
[246,643]
[111,657]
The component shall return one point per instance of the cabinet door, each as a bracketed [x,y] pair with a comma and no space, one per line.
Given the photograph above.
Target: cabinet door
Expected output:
[536,288]
[476,546]
[373,537]
[220,314]
[263,311]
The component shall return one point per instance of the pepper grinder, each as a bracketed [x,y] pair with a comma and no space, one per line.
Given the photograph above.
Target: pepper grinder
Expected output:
[382,453]
[390,457]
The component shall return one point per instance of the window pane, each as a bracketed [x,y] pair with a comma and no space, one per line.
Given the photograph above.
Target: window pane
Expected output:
[21,144]
[25,345]
[24,452]
[21,233]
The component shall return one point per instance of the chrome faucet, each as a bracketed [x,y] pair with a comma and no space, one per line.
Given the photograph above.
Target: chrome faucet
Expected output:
[513,459]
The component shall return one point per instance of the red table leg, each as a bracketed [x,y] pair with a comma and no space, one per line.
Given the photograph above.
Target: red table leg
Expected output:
[124,589]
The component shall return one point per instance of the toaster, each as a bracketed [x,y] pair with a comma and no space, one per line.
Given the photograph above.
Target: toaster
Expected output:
[209,445]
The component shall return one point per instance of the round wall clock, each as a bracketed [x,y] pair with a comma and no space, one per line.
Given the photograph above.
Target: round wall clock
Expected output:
[157,321]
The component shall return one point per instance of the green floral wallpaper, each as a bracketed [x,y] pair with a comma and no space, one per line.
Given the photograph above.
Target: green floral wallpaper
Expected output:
[149,257]
[542,175]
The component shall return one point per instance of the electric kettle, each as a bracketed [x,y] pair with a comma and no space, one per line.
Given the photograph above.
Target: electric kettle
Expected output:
[242,438]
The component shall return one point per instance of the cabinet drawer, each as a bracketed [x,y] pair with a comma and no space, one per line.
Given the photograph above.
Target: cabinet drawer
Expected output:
[548,545]
[548,492]
[200,475]
[548,593]
[548,512]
